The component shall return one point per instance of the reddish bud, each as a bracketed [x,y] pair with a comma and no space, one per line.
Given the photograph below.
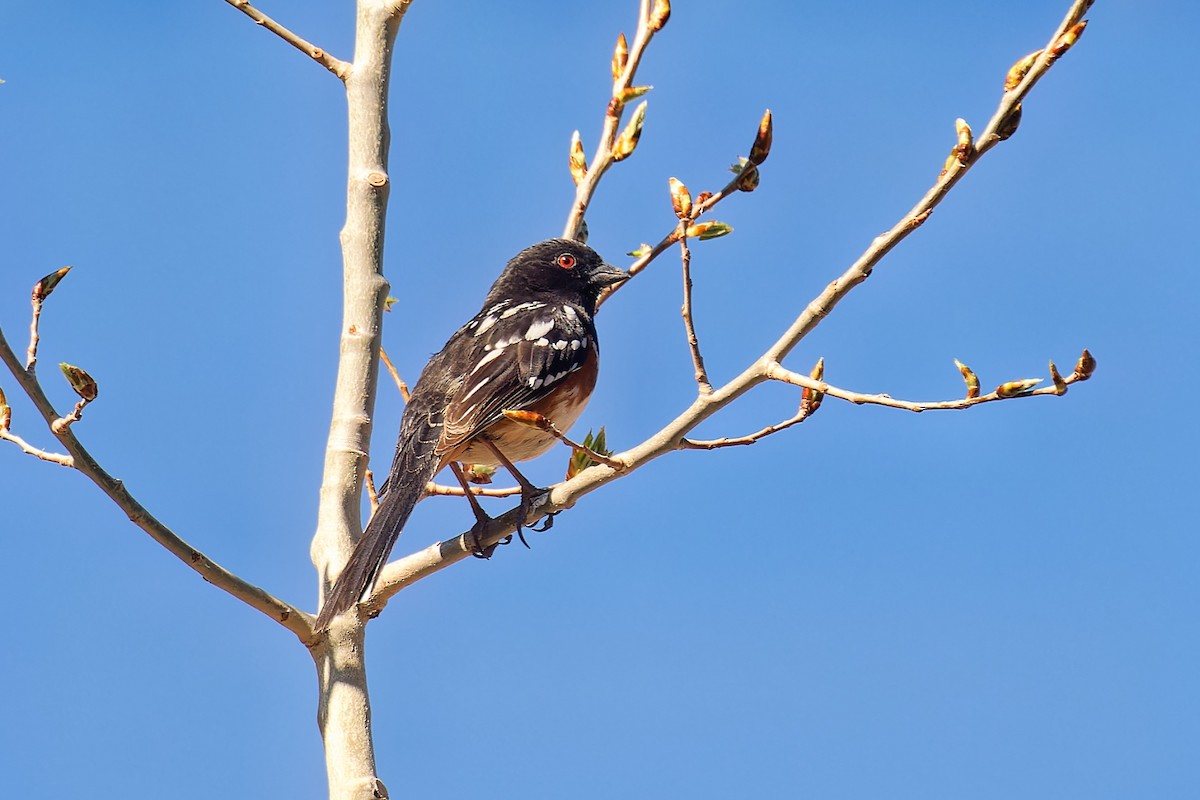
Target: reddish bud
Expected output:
[577,160]
[43,288]
[1019,70]
[681,198]
[83,384]
[628,140]
[708,230]
[810,399]
[1068,39]
[762,141]
[620,57]
[1015,388]
[660,14]
[1060,386]
[1085,366]
[970,378]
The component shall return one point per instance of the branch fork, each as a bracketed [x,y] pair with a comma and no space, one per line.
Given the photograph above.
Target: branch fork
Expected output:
[344,712]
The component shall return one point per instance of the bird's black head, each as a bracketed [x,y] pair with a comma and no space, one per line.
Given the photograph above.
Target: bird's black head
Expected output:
[558,269]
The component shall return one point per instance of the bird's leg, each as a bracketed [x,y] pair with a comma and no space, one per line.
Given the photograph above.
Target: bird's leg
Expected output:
[529,492]
[481,517]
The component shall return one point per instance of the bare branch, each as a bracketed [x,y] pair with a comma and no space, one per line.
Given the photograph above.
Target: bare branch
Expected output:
[441,490]
[998,128]
[705,202]
[335,65]
[56,458]
[286,615]
[685,255]
[672,437]
[1006,391]
[41,290]
[713,444]
[34,338]
[604,156]
[344,711]
[63,424]
[372,495]
[542,422]
[391,368]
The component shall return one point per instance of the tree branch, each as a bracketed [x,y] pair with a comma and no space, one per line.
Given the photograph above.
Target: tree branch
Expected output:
[412,568]
[401,386]
[440,490]
[544,423]
[335,65]
[344,708]
[54,458]
[689,326]
[714,444]
[1000,127]
[1006,391]
[704,203]
[606,155]
[285,614]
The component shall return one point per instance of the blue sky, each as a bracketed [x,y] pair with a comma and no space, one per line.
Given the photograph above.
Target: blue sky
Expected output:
[986,604]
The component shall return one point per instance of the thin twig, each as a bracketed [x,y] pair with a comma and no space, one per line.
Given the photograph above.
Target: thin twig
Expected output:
[391,368]
[713,444]
[285,614]
[777,372]
[603,157]
[689,324]
[441,490]
[544,423]
[372,495]
[55,458]
[63,424]
[861,269]
[34,338]
[335,65]
[701,207]
[412,568]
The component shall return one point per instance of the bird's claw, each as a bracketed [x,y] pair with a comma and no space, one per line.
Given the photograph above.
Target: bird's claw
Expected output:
[547,523]
[478,550]
[529,501]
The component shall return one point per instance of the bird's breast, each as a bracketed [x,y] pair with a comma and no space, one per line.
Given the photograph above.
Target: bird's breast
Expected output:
[522,442]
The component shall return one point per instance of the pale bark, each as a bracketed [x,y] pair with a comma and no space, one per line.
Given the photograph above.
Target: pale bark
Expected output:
[344,713]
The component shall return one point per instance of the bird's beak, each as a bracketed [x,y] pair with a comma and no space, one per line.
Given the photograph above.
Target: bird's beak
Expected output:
[607,275]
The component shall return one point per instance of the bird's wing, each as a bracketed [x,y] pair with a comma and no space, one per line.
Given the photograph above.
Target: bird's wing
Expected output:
[519,355]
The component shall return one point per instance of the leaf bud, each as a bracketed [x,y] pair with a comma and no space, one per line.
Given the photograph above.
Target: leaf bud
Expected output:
[1015,388]
[970,378]
[681,198]
[83,384]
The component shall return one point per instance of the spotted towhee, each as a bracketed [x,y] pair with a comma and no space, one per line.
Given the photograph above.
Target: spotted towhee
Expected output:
[532,347]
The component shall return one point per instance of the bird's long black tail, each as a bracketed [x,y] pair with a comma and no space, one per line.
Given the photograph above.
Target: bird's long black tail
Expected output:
[413,468]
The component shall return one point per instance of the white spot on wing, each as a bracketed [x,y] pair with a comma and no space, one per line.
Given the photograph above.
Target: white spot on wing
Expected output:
[517,309]
[539,329]
[485,324]
[492,355]
[476,388]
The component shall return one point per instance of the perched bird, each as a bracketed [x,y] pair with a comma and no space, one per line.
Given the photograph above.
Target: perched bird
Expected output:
[532,347]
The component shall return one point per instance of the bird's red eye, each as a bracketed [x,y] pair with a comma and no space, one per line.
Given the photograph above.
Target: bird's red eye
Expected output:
[566,261]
